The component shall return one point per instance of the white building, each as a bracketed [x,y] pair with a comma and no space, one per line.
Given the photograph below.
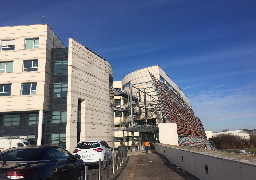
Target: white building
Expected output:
[51,93]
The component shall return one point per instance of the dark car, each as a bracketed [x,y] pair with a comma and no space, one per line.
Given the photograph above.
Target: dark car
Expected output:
[40,163]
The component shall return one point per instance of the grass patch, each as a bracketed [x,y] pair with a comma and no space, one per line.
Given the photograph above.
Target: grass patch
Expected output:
[251,151]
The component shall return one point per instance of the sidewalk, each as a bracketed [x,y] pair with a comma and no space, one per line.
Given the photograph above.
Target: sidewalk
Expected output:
[142,166]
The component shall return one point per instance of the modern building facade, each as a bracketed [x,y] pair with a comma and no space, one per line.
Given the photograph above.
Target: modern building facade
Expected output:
[51,93]
[149,98]
[54,94]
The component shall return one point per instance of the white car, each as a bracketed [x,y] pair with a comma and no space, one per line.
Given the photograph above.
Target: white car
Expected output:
[91,151]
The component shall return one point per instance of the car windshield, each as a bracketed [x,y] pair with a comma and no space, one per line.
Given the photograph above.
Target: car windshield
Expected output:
[28,154]
[88,145]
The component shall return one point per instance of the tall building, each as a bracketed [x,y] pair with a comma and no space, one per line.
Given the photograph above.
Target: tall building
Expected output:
[51,93]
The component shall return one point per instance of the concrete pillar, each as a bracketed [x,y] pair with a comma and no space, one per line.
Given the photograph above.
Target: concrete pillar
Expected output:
[168,133]
[40,128]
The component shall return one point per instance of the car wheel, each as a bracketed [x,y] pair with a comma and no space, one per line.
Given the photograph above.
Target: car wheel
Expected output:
[104,163]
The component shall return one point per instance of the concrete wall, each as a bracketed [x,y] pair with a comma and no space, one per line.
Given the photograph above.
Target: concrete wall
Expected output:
[207,165]
[208,134]
[168,133]
[89,80]
[17,77]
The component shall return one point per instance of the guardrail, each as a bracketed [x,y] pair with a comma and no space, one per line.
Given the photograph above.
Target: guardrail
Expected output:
[117,161]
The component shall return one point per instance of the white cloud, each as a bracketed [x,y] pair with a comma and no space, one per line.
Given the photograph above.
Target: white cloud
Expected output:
[193,86]
[226,105]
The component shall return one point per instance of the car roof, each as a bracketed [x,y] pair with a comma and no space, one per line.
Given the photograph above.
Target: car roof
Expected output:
[92,141]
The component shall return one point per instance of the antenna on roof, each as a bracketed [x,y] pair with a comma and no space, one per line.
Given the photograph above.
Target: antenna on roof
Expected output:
[43,19]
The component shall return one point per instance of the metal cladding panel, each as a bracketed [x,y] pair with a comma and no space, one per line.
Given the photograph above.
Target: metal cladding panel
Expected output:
[178,111]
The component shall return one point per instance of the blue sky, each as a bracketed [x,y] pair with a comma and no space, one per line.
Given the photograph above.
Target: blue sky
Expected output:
[208,48]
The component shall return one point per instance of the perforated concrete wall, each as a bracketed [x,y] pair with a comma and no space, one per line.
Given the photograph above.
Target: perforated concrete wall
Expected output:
[18,102]
[90,77]
[207,165]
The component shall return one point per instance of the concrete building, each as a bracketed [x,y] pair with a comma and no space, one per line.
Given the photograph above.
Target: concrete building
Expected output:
[148,97]
[54,94]
[51,93]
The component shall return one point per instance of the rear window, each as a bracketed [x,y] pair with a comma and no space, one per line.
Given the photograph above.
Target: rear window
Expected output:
[26,143]
[30,154]
[88,145]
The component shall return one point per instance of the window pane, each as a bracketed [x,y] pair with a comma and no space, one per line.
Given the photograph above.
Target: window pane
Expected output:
[57,89]
[37,41]
[56,113]
[1,88]
[7,88]
[64,116]
[9,67]
[64,94]
[15,123]
[32,118]
[7,124]
[35,63]
[118,114]
[29,43]
[31,122]
[27,64]
[33,92]
[26,89]
[8,44]
[34,86]
[117,101]
[2,65]
[55,136]
[55,121]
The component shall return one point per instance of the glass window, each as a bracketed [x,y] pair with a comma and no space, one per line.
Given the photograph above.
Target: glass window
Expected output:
[61,153]
[6,66]
[30,65]
[125,100]
[28,88]
[11,120]
[59,116]
[28,154]
[117,89]
[88,145]
[33,119]
[32,43]
[168,85]
[162,79]
[118,114]
[59,139]
[8,44]
[117,101]
[60,90]
[61,67]
[5,89]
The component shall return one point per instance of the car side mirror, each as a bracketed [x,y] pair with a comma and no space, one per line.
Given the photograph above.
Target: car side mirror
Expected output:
[77,156]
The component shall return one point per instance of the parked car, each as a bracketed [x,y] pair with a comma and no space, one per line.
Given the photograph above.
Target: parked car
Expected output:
[40,163]
[8,143]
[91,151]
